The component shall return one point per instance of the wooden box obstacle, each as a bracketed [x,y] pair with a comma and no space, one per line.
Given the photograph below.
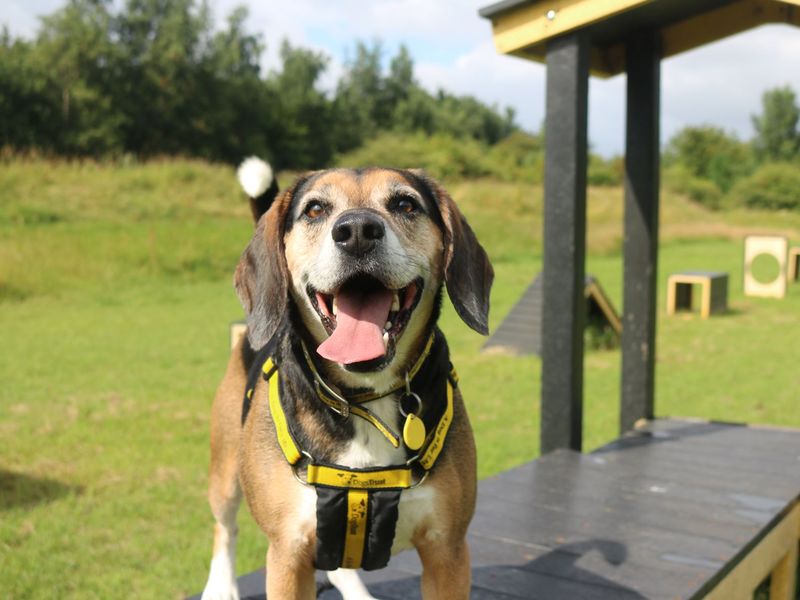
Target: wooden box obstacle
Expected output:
[714,292]
[794,264]
[520,333]
[765,245]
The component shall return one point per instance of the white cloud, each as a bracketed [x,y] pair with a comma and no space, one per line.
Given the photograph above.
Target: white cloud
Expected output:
[722,84]
[495,79]
[22,16]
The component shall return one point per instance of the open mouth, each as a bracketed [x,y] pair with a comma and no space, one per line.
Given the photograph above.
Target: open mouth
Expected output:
[364,319]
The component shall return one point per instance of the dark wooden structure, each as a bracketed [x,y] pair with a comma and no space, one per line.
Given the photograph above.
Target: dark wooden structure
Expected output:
[520,333]
[677,509]
[606,37]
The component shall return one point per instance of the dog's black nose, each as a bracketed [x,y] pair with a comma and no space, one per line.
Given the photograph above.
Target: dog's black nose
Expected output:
[357,232]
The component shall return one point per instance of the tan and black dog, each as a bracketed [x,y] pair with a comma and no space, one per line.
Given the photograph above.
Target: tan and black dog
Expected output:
[339,416]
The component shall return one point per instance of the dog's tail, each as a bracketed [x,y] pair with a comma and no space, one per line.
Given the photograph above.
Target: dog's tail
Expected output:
[259,183]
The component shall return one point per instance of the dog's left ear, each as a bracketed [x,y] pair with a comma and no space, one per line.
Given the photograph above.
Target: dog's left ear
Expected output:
[261,278]
[467,270]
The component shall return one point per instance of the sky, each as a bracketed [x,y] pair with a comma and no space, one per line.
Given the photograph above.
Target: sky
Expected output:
[720,84]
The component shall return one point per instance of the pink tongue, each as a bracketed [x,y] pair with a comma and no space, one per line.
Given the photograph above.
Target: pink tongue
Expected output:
[359,326]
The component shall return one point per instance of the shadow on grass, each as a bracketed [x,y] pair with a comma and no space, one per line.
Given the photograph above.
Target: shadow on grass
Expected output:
[18,490]
[728,312]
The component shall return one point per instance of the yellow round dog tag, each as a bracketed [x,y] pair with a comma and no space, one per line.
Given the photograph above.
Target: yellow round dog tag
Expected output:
[413,432]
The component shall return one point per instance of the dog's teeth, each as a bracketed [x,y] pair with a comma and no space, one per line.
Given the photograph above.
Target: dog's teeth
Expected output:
[335,307]
[385,339]
[387,326]
[396,303]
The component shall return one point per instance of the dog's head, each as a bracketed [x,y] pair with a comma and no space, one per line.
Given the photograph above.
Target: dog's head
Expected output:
[362,255]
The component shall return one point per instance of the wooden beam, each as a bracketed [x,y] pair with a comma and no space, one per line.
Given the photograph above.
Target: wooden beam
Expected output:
[564,308]
[725,22]
[641,228]
[525,31]
[541,21]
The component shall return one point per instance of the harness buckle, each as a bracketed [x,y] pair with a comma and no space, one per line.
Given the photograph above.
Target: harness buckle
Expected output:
[413,396]
[336,402]
[344,409]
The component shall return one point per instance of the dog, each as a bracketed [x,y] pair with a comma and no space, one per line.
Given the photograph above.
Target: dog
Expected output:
[339,417]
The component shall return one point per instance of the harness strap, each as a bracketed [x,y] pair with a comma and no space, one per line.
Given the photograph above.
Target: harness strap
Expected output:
[435,442]
[364,413]
[285,439]
[346,406]
[357,509]
[355,528]
[291,450]
[364,479]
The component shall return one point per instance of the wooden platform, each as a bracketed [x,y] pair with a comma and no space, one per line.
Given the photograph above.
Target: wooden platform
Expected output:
[668,512]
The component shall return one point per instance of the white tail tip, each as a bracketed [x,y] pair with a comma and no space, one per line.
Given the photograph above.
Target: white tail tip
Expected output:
[255,176]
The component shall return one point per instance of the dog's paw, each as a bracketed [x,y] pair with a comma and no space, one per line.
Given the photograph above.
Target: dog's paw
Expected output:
[221,584]
[349,584]
[220,591]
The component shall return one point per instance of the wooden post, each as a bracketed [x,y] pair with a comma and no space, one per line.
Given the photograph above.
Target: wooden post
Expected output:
[564,307]
[643,63]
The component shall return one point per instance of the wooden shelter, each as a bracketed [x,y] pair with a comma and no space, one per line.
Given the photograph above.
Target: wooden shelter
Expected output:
[606,37]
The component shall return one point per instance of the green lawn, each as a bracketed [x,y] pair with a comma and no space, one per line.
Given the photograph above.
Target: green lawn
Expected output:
[115,300]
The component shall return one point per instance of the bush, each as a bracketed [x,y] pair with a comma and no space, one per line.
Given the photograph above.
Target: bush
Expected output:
[774,186]
[442,156]
[710,153]
[703,191]
[605,172]
[519,157]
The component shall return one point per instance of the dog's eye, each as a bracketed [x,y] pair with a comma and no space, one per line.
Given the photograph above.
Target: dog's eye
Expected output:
[403,204]
[314,210]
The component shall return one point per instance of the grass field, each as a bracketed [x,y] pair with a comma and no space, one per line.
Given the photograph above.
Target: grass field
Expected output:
[115,300]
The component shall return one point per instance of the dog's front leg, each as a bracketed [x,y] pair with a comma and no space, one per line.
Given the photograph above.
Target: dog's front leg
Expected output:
[221,583]
[288,577]
[446,571]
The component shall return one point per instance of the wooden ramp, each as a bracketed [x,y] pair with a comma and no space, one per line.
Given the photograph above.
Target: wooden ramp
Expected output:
[672,511]
[520,333]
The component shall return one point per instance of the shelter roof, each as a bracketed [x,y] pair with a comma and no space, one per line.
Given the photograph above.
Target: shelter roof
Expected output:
[523,27]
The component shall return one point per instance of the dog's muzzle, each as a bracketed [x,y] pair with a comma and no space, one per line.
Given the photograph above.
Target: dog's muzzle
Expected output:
[358,232]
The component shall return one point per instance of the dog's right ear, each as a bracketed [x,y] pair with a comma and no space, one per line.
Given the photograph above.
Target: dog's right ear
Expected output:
[468,272]
[259,183]
[261,278]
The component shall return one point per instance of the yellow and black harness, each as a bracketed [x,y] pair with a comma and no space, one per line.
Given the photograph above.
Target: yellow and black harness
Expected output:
[357,509]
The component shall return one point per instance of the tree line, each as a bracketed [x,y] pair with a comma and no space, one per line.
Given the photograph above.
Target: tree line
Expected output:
[715,168]
[158,77]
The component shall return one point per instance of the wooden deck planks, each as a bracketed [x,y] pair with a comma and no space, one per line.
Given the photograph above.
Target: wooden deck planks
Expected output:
[656,514]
